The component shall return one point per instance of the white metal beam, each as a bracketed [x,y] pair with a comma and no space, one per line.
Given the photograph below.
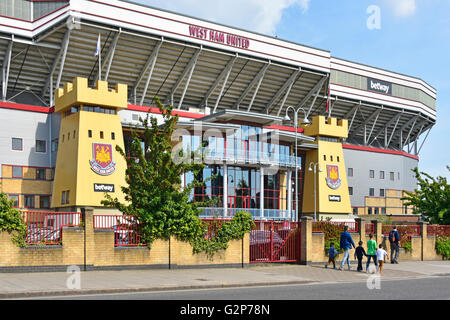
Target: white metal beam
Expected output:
[287,85]
[109,57]
[153,58]
[315,89]
[428,132]
[147,64]
[61,53]
[387,125]
[255,80]
[186,71]
[224,74]
[6,68]
[373,126]
[354,111]
[373,115]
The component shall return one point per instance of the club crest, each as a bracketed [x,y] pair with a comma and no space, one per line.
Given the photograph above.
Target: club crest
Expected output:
[103,163]
[333,180]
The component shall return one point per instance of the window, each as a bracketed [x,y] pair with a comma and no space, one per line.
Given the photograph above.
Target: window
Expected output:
[398,175]
[44,202]
[371,192]
[381,174]
[62,138]
[372,173]
[392,176]
[337,158]
[350,191]
[113,136]
[331,158]
[40,173]
[16,200]
[54,145]
[355,211]
[90,133]
[74,134]
[369,211]
[383,210]
[65,197]
[40,146]
[28,201]
[377,210]
[324,158]
[17,144]
[381,192]
[17,172]
[101,134]
[68,136]
[350,172]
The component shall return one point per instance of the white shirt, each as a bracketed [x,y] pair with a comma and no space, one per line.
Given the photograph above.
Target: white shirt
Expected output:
[381,253]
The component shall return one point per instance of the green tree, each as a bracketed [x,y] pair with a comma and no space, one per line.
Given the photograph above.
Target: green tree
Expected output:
[431,199]
[11,220]
[153,192]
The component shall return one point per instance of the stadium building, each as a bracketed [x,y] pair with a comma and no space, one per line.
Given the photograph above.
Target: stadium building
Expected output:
[290,129]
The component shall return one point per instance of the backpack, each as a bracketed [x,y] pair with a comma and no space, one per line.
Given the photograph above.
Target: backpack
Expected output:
[392,236]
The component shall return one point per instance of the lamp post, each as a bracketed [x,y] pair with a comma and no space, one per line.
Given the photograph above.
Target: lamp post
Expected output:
[313,166]
[305,121]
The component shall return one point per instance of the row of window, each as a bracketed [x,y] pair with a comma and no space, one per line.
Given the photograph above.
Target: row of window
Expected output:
[40,173]
[17,145]
[372,174]
[97,109]
[101,136]
[382,192]
[29,201]
[331,158]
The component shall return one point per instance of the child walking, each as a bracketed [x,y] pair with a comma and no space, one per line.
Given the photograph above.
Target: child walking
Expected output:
[332,253]
[381,255]
[371,251]
[359,254]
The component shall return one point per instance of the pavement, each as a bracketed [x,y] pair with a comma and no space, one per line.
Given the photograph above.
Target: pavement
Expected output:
[37,284]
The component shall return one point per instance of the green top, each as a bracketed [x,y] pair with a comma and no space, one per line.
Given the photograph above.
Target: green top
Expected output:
[371,247]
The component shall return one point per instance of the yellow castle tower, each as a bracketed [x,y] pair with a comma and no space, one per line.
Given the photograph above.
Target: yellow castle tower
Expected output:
[332,197]
[88,164]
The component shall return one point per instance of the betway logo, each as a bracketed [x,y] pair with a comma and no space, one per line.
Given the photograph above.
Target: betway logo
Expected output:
[379,86]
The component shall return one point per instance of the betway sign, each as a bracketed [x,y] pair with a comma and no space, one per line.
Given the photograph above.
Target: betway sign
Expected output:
[379,86]
[219,37]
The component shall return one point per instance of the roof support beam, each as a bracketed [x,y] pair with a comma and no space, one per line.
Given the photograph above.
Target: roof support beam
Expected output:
[256,79]
[62,52]
[255,93]
[411,129]
[373,125]
[373,115]
[188,80]
[225,73]
[315,89]
[148,64]
[109,57]
[393,131]
[153,58]
[420,148]
[187,70]
[354,111]
[387,125]
[287,85]
[6,68]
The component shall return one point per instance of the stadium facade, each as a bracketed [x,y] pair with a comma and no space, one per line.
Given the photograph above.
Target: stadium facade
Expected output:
[351,153]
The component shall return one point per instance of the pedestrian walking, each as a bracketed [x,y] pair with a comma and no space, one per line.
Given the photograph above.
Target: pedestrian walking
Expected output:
[346,244]
[381,255]
[332,253]
[394,240]
[359,254]
[371,251]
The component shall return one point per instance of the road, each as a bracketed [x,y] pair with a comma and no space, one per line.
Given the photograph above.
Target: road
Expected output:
[427,288]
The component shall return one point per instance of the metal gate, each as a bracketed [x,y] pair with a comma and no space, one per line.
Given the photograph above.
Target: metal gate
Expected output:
[275,241]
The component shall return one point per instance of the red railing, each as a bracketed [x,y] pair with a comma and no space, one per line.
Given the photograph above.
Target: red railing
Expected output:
[212,225]
[127,229]
[44,227]
[321,226]
[370,228]
[405,231]
[441,231]
[275,241]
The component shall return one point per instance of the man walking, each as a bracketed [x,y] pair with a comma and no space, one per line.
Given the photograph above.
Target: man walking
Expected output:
[346,244]
[394,240]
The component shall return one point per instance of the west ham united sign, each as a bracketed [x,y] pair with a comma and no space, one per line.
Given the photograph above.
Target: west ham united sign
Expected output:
[103,163]
[333,180]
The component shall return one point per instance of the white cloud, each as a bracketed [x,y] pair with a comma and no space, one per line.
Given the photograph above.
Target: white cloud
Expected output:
[255,15]
[403,8]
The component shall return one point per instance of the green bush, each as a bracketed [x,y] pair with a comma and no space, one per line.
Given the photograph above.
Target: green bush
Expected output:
[443,247]
[11,220]
[407,246]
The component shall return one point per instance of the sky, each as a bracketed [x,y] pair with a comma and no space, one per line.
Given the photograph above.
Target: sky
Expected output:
[405,36]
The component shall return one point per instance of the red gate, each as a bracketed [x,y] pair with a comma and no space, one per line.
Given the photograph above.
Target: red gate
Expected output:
[275,241]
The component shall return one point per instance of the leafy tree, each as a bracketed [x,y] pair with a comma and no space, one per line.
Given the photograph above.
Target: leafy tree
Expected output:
[154,194]
[11,220]
[431,199]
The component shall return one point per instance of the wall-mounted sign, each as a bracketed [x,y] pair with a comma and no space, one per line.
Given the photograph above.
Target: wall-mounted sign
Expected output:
[219,37]
[379,86]
[332,178]
[103,163]
[102,187]
[333,198]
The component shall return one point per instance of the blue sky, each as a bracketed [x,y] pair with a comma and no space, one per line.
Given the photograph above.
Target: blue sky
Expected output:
[413,39]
